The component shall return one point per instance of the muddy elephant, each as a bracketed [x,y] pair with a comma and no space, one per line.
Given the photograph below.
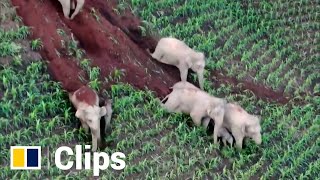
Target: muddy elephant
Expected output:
[86,102]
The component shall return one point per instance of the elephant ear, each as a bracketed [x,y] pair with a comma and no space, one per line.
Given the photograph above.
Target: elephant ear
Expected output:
[189,62]
[249,129]
[79,113]
[103,111]
[199,66]
[201,56]
[258,117]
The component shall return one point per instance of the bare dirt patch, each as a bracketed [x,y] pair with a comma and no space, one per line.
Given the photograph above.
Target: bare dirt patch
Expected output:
[259,90]
[110,41]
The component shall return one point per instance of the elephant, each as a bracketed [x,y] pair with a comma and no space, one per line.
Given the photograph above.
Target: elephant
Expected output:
[226,136]
[241,124]
[223,132]
[198,104]
[172,51]
[67,5]
[86,102]
[107,117]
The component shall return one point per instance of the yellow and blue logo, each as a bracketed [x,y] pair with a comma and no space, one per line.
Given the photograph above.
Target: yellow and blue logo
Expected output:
[25,157]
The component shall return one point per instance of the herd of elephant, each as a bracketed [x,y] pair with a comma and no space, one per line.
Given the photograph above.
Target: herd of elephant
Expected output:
[230,120]
[202,107]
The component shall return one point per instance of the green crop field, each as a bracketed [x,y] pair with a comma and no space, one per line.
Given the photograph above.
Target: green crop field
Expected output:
[273,44]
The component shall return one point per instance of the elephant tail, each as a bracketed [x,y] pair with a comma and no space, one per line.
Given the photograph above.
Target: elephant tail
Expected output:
[165,98]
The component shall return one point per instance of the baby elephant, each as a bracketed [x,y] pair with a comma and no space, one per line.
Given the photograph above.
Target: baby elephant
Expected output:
[175,52]
[226,136]
[223,132]
[107,117]
[241,124]
[86,101]
[197,103]
[67,5]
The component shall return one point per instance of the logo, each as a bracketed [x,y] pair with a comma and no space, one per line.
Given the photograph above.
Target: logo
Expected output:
[29,157]
[101,160]
[25,157]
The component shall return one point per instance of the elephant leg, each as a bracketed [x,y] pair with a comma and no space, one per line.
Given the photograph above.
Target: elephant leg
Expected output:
[223,136]
[218,120]
[107,119]
[183,68]
[73,4]
[206,121]
[238,135]
[65,8]
[217,114]
[196,117]
[80,4]
[200,77]
[231,141]
[215,132]
[224,140]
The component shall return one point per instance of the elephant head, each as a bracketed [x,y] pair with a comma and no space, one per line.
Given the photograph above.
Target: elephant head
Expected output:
[91,116]
[252,129]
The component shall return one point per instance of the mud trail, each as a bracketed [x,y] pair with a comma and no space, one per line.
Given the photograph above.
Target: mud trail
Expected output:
[259,90]
[110,41]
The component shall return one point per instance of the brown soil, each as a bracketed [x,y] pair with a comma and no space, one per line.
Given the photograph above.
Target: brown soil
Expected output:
[111,42]
[259,90]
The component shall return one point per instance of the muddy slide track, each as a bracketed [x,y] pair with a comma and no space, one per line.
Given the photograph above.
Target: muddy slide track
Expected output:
[110,41]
